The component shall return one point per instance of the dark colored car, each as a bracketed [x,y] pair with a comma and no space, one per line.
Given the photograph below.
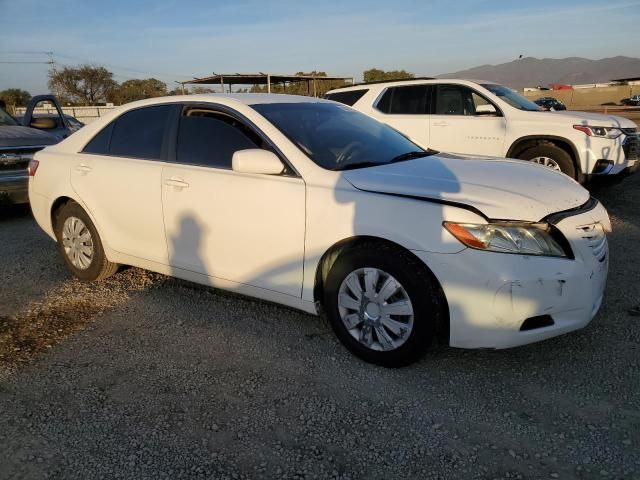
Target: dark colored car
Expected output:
[73,124]
[632,102]
[550,103]
[18,143]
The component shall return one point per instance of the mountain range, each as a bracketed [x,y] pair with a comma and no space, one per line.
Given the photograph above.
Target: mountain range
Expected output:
[531,71]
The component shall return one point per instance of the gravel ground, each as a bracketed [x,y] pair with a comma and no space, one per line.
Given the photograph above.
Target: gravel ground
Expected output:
[156,378]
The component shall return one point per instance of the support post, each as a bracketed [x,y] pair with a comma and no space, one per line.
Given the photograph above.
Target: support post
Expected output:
[268,83]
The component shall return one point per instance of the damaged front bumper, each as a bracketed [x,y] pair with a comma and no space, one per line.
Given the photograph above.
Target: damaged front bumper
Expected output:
[501,300]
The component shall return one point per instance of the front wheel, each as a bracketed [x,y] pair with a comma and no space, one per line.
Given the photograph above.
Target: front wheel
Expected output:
[383,304]
[552,157]
[80,246]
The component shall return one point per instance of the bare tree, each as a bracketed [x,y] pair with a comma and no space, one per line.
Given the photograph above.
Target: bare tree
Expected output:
[87,84]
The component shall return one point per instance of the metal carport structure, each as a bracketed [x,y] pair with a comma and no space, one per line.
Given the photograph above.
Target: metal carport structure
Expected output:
[261,78]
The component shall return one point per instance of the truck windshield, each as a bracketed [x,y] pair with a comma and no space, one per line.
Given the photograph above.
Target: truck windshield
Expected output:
[512,98]
[6,119]
[338,138]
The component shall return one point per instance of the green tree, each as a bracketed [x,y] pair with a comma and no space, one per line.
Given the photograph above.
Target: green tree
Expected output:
[15,97]
[132,90]
[377,75]
[85,84]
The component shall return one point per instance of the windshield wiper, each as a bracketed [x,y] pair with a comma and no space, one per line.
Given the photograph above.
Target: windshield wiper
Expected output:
[351,166]
[411,155]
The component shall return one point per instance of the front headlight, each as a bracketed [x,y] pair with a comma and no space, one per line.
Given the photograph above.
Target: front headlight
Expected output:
[506,237]
[604,132]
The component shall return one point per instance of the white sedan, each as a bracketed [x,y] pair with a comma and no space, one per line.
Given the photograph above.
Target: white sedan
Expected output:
[311,204]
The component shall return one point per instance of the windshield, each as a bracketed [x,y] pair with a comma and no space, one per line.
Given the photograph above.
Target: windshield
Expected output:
[6,119]
[512,98]
[338,138]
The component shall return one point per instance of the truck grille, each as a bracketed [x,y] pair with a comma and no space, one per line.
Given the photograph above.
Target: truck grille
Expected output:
[16,158]
[631,147]
[596,240]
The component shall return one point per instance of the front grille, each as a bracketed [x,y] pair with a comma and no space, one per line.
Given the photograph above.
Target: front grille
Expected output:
[596,240]
[631,147]
[629,131]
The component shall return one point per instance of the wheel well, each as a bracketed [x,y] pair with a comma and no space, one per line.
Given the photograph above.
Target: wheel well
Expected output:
[522,144]
[55,208]
[331,256]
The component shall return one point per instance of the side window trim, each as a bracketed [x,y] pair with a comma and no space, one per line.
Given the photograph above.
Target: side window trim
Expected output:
[216,107]
[473,90]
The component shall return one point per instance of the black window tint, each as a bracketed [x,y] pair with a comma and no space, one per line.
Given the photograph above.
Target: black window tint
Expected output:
[211,138]
[139,133]
[409,100]
[100,143]
[348,98]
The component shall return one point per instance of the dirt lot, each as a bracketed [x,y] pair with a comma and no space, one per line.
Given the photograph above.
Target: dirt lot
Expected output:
[143,376]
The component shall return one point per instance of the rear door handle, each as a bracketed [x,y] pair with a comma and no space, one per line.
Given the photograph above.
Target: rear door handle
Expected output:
[441,124]
[84,169]
[176,182]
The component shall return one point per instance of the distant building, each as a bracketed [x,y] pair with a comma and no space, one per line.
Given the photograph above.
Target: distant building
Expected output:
[627,81]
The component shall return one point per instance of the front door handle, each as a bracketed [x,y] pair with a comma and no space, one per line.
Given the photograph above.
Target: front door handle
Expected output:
[176,182]
[83,169]
[441,124]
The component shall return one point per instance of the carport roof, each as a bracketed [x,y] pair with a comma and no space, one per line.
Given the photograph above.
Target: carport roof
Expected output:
[257,79]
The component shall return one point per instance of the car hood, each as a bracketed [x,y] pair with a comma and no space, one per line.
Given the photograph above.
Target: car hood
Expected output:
[17,136]
[589,118]
[499,188]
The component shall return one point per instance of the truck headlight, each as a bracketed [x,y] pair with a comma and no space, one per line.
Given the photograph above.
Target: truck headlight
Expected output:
[605,132]
[508,237]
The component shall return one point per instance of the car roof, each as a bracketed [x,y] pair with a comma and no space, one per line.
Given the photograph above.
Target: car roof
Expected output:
[414,81]
[228,98]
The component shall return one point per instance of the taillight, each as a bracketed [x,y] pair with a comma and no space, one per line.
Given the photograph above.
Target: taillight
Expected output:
[33,167]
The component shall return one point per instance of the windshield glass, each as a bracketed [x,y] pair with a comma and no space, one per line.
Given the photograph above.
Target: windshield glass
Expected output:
[338,138]
[6,119]
[512,98]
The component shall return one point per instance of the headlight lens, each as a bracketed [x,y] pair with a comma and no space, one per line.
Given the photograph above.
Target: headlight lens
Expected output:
[605,132]
[521,238]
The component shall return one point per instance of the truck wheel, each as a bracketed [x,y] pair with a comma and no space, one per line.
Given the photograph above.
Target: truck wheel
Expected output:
[80,246]
[552,157]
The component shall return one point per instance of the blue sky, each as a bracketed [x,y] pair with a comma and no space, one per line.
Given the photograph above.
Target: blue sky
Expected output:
[174,40]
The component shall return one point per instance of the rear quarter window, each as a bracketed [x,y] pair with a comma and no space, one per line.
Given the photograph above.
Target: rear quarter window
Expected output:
[348,98]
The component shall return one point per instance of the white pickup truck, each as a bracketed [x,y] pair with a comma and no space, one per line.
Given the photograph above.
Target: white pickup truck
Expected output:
[484,118]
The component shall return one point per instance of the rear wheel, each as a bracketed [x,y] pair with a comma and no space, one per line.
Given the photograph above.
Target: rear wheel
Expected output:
[79,244]
[550,156]
[383,304]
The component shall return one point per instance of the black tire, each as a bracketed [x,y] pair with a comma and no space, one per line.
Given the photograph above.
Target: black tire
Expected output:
[427,299]
[99,267]
[562,158]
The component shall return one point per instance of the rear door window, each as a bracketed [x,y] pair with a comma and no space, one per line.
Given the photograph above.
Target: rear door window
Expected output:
[406,100]
[140,133]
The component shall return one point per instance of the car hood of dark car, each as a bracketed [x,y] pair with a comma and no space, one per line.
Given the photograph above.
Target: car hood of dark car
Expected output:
[17,136]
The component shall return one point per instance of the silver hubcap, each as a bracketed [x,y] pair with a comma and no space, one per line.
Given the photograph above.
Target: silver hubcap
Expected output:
[375,309]
[77,243]
[547,162]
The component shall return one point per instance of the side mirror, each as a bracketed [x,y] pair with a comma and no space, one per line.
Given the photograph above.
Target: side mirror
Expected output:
[486,109]
[43,123]
[256,160]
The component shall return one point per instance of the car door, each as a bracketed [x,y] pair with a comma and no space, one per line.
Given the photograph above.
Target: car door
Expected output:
[240,227]
[406,108]
[463,121]
[118,177]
